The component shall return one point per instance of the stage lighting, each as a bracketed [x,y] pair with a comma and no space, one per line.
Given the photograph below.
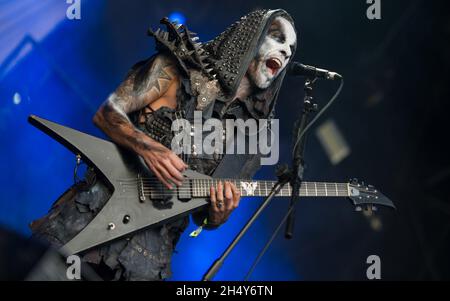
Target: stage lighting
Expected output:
[17,99]
[177,17]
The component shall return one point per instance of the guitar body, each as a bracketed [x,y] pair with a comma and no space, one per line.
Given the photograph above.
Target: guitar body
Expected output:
[126,211]
[140,201]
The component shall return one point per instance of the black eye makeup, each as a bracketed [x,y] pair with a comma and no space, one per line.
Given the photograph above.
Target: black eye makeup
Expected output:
[278,35]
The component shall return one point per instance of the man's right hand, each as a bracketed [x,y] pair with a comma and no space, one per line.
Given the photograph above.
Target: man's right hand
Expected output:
[165,164]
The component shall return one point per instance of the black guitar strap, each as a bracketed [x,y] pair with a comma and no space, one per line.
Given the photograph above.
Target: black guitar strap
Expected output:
[237,166]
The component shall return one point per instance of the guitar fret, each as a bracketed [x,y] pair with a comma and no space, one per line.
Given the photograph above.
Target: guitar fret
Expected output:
[194,186]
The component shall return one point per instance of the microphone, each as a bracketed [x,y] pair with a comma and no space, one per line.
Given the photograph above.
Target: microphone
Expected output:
[298,69]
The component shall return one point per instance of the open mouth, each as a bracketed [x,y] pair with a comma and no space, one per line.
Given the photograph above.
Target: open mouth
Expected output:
[274,64]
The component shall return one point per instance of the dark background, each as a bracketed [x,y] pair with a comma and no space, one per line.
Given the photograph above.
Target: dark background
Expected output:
[392,113]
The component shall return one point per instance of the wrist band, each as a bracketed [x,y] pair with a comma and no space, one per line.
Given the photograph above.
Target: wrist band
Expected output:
[197,231]
[205,223]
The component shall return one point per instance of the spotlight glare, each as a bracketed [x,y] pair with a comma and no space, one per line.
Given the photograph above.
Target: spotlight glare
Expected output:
[17,99]
[177,17]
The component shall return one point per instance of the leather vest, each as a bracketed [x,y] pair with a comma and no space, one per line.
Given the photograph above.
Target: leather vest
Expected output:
[157,124]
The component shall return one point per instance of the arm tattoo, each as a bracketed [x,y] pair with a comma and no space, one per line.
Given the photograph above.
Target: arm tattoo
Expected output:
[144,84]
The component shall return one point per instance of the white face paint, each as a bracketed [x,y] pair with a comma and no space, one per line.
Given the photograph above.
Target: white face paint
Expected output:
[274,53]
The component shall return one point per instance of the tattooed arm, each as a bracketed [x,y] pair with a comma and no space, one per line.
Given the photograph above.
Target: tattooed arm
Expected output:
[144,85]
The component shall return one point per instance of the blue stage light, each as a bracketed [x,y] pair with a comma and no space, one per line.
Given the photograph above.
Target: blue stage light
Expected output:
[177,17]
[17,99]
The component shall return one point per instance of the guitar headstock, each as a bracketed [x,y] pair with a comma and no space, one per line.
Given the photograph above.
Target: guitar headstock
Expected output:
[367,195]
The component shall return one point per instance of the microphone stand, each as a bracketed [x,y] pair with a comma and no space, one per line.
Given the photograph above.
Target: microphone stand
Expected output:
[283,175]
[298,162]
[294,175]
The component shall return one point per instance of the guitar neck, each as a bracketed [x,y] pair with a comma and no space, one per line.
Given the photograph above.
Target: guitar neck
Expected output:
[200,188]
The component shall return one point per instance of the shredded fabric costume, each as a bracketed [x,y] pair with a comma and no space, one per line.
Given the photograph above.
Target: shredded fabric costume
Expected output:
[210,74]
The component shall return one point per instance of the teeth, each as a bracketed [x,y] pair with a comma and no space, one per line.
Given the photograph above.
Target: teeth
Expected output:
[278,62]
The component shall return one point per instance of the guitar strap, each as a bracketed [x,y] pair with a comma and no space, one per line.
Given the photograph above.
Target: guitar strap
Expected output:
[231,163]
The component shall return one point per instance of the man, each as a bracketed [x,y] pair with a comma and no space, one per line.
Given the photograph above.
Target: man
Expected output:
[236,75]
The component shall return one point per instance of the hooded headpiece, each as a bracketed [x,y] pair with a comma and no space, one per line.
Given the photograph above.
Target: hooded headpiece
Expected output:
[228,56]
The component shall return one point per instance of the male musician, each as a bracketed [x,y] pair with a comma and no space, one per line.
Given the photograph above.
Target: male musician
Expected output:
[236,75]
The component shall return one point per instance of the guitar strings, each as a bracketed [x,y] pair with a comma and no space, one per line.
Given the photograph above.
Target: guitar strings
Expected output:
[205,190]
[337,189]
[324,185]
[151,185]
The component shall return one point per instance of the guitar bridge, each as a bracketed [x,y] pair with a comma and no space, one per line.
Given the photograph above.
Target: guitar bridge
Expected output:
[140,185]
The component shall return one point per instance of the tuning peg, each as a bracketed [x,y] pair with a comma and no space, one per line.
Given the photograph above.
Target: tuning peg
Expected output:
[354,181]
[358,209]
[374,208]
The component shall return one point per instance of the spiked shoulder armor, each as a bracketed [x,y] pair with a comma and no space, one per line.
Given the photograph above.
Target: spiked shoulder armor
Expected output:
[184,45]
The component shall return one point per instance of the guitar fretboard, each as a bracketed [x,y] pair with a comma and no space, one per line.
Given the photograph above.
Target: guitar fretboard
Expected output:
[201,188]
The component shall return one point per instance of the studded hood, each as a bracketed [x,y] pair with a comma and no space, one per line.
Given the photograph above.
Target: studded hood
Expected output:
[227,57]
[232,51]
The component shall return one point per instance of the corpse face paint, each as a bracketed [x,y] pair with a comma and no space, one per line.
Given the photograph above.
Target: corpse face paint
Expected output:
[274,53]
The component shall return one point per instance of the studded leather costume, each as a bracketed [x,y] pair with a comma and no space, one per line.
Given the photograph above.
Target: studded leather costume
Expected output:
[210,75]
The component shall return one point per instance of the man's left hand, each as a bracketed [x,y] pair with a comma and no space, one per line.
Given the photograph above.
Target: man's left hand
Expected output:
[224,199]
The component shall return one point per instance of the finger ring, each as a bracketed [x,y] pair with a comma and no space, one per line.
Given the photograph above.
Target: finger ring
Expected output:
[219,204]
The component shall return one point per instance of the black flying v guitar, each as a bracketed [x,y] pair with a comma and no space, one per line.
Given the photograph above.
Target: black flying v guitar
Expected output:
[140,201]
